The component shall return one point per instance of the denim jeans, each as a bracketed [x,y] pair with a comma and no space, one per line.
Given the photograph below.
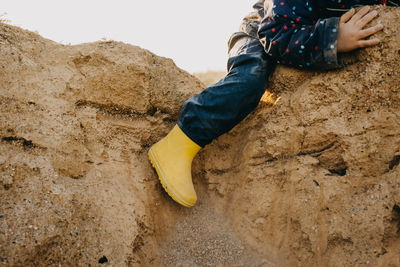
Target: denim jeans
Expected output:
[223,105]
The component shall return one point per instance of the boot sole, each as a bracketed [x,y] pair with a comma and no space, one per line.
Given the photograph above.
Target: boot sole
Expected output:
[164,182]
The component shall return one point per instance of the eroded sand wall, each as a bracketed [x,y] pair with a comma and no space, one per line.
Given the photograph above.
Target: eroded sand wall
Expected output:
[309,180]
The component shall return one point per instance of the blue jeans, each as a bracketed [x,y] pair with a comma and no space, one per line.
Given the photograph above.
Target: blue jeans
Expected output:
[223,105]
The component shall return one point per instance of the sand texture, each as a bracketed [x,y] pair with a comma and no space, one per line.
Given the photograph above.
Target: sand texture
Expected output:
[310,178]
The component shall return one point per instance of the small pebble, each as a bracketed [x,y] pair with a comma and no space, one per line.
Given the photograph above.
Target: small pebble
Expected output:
[103,260]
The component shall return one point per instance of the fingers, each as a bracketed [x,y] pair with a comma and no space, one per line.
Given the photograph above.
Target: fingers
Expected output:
[367,18]
[347,16]
[361,13]
[370,31]
[367,43]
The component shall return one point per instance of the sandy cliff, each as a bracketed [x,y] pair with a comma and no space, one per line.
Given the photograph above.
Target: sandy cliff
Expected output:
[311,178]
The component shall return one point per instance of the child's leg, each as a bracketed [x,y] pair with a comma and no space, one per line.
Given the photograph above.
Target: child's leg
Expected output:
[221,106]
[208,115]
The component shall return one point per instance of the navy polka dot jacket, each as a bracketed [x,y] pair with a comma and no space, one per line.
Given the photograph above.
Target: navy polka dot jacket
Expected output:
[303,33]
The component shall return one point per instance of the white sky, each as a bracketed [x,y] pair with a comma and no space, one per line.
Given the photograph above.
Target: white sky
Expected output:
[193,33]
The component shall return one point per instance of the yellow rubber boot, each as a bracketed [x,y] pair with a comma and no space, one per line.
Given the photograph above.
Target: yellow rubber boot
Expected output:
[172,158]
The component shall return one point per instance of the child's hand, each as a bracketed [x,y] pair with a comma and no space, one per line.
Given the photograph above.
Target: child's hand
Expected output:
[351,34]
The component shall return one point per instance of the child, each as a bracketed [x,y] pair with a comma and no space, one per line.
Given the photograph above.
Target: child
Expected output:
[300,33]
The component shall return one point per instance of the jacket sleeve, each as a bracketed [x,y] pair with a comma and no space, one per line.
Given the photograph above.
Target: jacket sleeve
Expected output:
[293,34]
[393,3]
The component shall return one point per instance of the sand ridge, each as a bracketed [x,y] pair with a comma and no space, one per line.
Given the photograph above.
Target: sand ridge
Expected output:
[310,178]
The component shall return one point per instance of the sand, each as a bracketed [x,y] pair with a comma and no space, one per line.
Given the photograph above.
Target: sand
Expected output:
[310,178]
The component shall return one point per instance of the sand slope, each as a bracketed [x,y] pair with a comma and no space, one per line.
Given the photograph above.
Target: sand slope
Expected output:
[311,178]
